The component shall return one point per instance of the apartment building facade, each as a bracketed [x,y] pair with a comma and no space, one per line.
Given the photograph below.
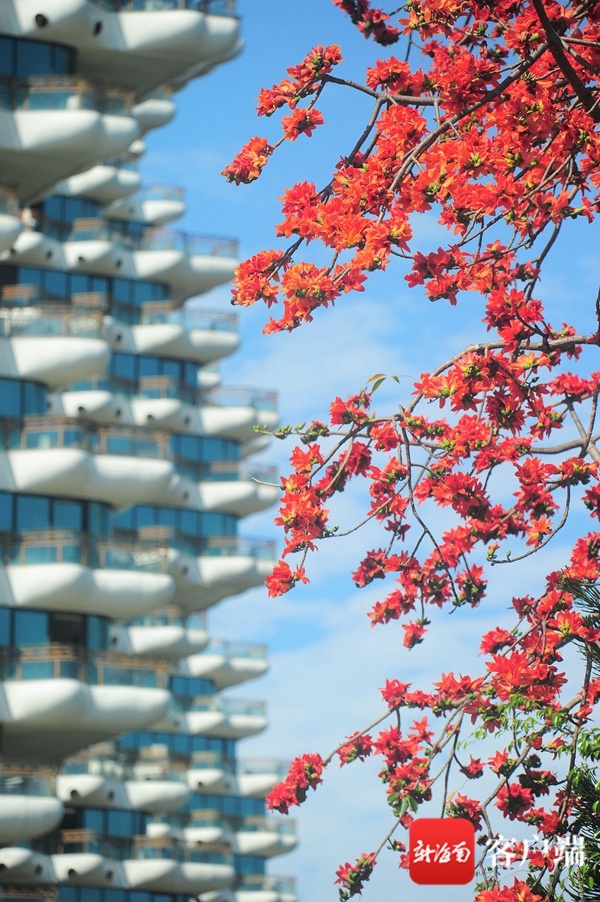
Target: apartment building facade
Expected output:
[124,474]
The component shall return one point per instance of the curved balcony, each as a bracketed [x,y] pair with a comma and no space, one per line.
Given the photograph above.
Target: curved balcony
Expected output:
[226,718]
[55,569]
[155,205]
[227,663]
[10,221]
[258,888]
[79,699]
[105,183]
[211,772]
[27,806]
[225,567]
[120,481]
[154,112]
[236,489]
[162,864]
[22,866]
[199,336]
[67,122]
[234,412]
[46,346]
[151,795]
[191,264]
[170,641]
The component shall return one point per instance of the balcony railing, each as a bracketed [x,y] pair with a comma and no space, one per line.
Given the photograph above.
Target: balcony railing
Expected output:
[49,321]
[67,432]
[63,92]
[26,784]
[235,650]
[228,706]
[145,847]
[241,397]
[209,320]
[55,661]
[210,7]
[9,201]
[189,243]
[261,883]
[171,617]
[66,546]
[160,192]
[212,761]
[124,771]
[263,767]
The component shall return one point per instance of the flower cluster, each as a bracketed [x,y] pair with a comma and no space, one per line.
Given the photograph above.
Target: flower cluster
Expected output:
[495,134]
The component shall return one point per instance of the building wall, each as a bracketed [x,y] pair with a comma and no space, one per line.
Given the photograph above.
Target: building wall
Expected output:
[123,480]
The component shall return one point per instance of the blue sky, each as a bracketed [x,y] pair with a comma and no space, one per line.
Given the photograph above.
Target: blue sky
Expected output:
[326,663]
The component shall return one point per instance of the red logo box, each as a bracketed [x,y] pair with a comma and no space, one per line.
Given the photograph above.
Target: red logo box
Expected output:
[441,851]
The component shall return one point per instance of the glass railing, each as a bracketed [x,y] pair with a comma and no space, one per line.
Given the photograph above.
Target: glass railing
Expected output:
[49,321]
[263,767]
[66,546]
[55,661]
[66,432]
[159,192]
[235,650]
[261,883]
[260,549]
[26,784]
[209,320]
[212,761]
[126,161]
[171,617]
[210,7]
[228,706]
[202,245]
[56,92]
[147,847]
[9,201]
[94,842]
[258,824]
[241,397]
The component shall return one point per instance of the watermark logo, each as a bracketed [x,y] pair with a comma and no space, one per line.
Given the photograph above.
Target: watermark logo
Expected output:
[441,851]
[511,852]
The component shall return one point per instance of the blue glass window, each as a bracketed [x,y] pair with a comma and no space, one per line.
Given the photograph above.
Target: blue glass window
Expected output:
[30,628]
[33,512]
[67,515]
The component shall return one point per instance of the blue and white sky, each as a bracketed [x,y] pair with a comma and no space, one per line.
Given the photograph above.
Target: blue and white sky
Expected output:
[326,661]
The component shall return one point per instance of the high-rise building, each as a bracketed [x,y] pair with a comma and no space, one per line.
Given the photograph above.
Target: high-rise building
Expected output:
[123,478]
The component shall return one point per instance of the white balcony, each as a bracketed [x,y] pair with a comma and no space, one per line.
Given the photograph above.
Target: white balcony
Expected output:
[201,337]
[169,641]
[24,817]
[104,183]
[24,866]
[226,718]
[265,837]
[115,479]
[54,126]
[96,790]
[203,581]
[71,713]
[10,226]
[108,593]
[56,361]
[258,888]
[226,663]
[81,868]
[144,44]
[163,875]
[256,777]
[154,112]
[155,205]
